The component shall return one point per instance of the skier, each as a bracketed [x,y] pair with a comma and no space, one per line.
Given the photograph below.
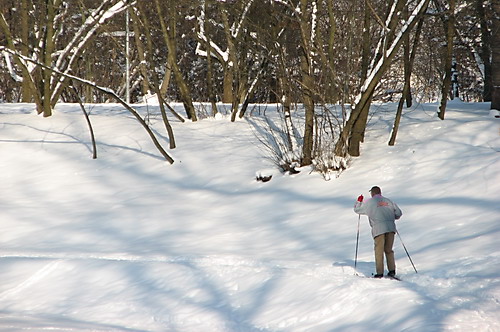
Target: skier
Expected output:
[382,213]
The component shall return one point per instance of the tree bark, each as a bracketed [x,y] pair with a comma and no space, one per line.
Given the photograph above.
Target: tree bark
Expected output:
[48,49]
[486,46]
[365,55]
[251,89]
[26,91]
[27,77]
[307,83]
[357,135]
[409,57]
[358,130]
[406,95]
[495,63]
[172,57]
[210,77]
[450,31]
[140,52]
[231,70]
[155,84]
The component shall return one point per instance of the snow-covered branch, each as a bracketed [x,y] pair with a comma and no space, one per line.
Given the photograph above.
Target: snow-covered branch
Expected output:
[216,50]
[10,68]
[407,25]
[106,10]
[236,27]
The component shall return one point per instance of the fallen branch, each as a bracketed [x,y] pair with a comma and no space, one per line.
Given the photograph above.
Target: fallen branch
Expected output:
[87,118]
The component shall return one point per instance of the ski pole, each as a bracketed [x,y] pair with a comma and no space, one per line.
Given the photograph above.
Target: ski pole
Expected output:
[357,241]
[407,252]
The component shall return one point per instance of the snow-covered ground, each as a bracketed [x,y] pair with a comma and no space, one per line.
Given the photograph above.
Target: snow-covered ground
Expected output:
[128,242]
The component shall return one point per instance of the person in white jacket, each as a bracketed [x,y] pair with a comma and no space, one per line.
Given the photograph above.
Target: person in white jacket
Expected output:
[382,214]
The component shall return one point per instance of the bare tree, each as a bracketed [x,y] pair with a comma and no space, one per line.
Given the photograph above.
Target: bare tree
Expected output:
[409,58]
[223,35]
[381,63]
[52,52]
[169,34]
[155,85]
[486,46]
[307,25]
[449,22]
[25,60]
[495,63]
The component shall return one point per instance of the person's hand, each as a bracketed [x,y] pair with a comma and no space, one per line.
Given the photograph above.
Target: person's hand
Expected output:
[360,198]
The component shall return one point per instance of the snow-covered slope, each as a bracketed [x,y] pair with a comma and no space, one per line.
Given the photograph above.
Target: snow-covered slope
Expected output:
[128,242]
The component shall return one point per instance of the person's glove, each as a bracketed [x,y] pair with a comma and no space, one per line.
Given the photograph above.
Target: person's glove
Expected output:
[360,198]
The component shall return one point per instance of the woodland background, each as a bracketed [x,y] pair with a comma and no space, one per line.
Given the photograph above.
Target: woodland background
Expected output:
[334,58]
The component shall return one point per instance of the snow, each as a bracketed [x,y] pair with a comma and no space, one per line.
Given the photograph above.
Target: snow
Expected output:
[128,242]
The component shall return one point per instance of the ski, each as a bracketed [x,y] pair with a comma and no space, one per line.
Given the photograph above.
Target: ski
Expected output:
[384,277]
[392,277]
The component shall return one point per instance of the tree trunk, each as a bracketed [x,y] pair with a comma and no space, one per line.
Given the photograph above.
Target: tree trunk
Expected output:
[366,49]
[357,136]
[251,90]
[359,127]
[307,148]
[165,83]
[495,63]
[285,90]
[155,84]
[48,49]
[140,52]
[486,45]
[406,95]
[290,137]
[307,83]
[450,31]
[227,85]
[210,79]
[27,77]
[26,91]
[172,57]
[358,130]
[408,61]
[231,72]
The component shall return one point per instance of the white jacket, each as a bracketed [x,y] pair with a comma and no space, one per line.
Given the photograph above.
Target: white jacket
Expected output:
[381,212]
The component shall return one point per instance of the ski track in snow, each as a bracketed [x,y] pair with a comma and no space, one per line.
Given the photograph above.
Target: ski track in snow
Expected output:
[413,287]
[35,278]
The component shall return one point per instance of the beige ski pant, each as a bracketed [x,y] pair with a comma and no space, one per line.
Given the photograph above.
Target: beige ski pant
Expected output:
[383,244]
